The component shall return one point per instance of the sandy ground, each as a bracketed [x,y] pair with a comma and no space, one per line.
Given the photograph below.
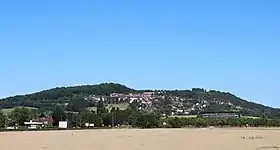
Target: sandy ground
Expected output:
[137,139]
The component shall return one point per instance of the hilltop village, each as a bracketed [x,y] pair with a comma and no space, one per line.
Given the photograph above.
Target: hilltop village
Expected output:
[148,100]
[112,104]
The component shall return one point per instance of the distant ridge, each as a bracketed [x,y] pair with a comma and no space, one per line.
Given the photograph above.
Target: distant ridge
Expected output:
[191,101]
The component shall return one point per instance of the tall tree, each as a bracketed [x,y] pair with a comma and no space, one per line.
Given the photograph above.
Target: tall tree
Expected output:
[58,115]
[74,120]
[2,120]
[147,120]
[90,117]
[20,115]
[77,104]
[101,109]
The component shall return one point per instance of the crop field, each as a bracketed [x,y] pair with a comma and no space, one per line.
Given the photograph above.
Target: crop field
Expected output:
[148,139]
[8,110]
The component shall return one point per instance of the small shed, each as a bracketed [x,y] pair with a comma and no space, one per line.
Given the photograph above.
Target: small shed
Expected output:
[62,124]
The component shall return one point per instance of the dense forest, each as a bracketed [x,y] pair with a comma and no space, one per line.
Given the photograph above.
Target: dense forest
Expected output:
[49,98]
[166,100]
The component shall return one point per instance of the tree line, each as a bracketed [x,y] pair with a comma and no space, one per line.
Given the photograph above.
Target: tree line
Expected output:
[176,122]
[102,117]
[132,116]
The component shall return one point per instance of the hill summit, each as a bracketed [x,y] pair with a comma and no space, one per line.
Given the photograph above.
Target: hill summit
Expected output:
[169,102]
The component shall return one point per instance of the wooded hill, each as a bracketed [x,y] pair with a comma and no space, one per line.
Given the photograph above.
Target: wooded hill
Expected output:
[166,101]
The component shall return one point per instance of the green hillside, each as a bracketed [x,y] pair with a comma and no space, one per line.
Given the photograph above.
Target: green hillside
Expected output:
[192,101]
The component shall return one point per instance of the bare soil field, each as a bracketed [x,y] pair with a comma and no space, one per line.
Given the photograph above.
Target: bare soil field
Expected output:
[148,139]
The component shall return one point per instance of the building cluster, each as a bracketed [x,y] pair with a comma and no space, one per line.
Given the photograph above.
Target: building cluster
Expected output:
[145,98]
[35,123]
[179,106]
[144,95]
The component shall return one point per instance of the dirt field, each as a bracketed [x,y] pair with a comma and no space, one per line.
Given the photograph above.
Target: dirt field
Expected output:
[136,139]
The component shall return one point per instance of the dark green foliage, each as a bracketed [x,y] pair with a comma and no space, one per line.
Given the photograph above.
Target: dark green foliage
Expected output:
[2,120]
[48,98]
[73,120]
[90,117]
[177,122]
[20,115]
[147,120]
[77,104]
[75,97]
[136,118]
[127,116]
[101,109]
[58,115]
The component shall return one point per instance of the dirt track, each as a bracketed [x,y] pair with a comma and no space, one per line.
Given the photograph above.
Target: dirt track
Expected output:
[136,139]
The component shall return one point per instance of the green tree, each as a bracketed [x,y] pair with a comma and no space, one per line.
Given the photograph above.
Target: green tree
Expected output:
[77,104]
[58,115]
[20,115]
[147,120]
[103,113]
[101,109]
[73,119]
[132,115]
[33,113]
[2,120]
[90,117]
[175,122]
[235,122]
[122,116]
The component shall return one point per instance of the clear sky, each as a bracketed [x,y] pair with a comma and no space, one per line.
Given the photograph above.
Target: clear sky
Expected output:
[231,45]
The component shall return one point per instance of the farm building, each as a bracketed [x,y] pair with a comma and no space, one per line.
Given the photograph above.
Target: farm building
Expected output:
[33,125]
[47,121]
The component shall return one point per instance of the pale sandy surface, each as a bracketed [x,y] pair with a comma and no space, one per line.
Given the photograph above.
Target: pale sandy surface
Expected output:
[137,139]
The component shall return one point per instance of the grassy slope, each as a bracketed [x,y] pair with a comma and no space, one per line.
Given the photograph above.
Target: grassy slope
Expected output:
[8,110]
[122,106]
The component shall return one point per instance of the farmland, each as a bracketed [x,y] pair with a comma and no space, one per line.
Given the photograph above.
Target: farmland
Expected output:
[6,111]
[122,106]
[148,139]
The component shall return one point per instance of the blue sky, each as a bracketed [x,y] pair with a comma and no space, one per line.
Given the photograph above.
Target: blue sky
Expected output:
[225,45]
